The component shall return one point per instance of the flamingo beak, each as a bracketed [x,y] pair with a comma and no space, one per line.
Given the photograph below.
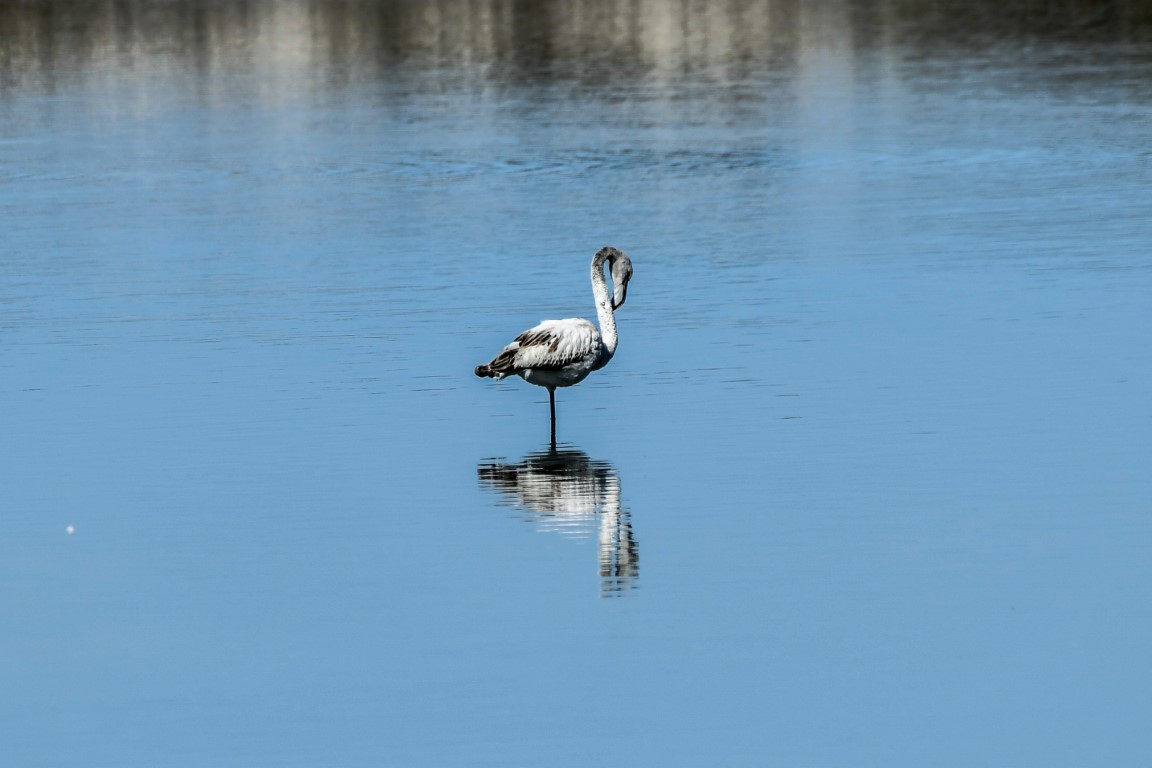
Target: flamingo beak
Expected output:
[619,296]
[621,268]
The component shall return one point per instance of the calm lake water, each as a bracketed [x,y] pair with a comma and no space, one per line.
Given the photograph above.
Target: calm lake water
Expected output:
[868,482]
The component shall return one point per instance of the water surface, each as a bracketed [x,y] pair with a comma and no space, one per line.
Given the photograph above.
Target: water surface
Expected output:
[865,484]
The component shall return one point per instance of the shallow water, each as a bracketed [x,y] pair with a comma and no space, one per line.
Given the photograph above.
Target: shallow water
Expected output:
[866,483]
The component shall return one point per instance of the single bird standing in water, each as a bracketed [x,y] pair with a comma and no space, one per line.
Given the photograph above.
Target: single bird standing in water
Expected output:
[560,353]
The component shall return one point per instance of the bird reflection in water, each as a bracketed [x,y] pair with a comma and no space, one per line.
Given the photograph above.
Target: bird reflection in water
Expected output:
[564,491]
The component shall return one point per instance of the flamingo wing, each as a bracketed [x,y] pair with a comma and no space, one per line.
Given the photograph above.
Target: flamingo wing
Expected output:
[549,346]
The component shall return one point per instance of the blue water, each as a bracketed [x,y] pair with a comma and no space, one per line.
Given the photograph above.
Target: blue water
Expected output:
[867,482]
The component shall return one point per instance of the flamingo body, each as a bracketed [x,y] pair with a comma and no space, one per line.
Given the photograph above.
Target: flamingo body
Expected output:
[555,353]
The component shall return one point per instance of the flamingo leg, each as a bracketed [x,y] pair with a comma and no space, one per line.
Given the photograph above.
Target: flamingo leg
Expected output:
[552,413]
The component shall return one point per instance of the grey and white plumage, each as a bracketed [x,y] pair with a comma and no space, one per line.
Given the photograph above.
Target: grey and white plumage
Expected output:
[561,353]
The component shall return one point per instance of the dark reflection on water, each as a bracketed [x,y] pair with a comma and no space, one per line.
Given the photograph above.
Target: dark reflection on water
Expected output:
[497,43]
[566,492]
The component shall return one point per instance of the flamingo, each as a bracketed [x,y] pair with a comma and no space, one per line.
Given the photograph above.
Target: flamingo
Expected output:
[561,353]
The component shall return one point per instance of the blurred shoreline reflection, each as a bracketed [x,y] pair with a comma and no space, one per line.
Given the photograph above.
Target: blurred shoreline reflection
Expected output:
[309,46]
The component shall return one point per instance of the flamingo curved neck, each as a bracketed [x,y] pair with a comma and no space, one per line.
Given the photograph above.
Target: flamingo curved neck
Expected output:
[604,313]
